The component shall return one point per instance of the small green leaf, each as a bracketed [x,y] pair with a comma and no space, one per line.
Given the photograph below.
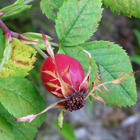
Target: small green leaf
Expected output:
[20,62]
[114,60]
[61,118]
[19,97]
[82,58]
[77,20]
[66,132]
[127,7]
[51,7]
[18,7]
[34,36]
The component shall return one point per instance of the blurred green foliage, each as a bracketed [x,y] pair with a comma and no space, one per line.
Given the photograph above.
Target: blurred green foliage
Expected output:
[136,56]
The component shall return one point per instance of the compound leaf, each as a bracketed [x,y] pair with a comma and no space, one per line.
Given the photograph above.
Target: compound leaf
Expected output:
[127,7]
[77,20]
[114,60]
[21,60]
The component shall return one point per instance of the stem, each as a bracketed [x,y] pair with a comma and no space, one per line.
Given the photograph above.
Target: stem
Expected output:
[40,51]
[3,26]
[14,34]
[54,44]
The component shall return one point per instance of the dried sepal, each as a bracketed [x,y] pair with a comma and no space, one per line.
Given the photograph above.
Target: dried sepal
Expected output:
[53,85]
[27,118]
[95,96]
[48,47]
[100,91]
[66,89]
[119,80]
[65,70]
[116,81]
[31,117]
[69,78]
[106,88]
[97,77]
[85,84]
[28,41]
[51,73]
[57,94]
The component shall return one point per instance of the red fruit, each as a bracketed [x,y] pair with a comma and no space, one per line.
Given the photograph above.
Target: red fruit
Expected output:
[69,69]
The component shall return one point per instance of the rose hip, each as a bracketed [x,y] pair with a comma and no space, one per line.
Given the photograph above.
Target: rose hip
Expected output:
[68,67]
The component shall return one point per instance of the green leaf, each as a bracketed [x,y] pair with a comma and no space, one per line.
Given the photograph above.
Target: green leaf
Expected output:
[20,62]
[127,7]
[82,58]
[18,7]
[34,36]
[77,20]
[66,132]
[19,97]
[51,7]
[114,60]
[21,131]
[6,131]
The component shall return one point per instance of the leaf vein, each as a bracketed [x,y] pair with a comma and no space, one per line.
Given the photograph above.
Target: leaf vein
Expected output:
[76,19]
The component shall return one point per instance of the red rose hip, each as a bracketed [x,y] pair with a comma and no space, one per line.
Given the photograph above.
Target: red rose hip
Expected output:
[69,69]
